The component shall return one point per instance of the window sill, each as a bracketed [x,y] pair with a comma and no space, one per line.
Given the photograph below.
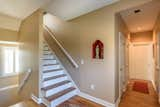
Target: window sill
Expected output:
[9,75]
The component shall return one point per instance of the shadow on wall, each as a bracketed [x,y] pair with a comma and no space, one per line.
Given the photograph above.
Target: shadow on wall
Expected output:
[8,91]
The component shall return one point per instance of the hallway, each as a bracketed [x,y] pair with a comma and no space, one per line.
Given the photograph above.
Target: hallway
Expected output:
[136,99]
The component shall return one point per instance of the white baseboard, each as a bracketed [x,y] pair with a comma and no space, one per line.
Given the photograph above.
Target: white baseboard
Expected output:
[154,85]
[36,99]
[117,102]
[8,87]
[86,96]
[96,100]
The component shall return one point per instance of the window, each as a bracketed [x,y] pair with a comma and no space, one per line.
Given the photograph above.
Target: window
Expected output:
[8,60]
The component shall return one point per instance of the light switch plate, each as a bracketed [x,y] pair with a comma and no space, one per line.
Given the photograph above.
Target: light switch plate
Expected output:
[82,61]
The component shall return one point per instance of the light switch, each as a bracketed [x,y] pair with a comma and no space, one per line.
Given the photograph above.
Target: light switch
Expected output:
[29,70]
[82,61]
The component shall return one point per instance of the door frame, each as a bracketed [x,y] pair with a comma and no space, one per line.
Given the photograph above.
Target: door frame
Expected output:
[119,64]
[157,67]
[130,54]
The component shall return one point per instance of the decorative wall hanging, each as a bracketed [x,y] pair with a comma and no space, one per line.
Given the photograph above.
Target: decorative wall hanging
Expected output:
[97,50]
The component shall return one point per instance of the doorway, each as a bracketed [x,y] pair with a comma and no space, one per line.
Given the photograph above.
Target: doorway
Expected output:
[140,67]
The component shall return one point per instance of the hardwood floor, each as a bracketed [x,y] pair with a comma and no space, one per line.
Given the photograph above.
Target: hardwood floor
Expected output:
[73,102]
[136,99]
[129,99]
[28,103]
[79,102]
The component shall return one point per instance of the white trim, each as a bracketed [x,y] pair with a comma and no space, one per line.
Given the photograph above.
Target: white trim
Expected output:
[122,68]
[62,48]
[9,42]
[8,87]
[9,75]
[96,100]
[154,85]
[117,102]
[141,43]
[36,99]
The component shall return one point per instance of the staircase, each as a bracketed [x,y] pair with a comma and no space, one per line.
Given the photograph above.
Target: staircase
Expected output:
[57,85]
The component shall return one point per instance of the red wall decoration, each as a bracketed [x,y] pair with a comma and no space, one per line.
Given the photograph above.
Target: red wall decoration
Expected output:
[97,50]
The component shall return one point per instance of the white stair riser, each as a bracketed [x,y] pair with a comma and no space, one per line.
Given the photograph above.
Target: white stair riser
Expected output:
[45,47]
[63,98]
[49,62]
[54,81]
[56,90]
[48,56]
[51,67]
[51,55]
[46,102]
[51,74]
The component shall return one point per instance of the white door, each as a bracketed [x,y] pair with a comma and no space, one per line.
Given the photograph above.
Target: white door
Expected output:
[121,63]
[141,61]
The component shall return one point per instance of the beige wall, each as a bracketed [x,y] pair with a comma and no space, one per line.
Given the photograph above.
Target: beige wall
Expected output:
[9,27]
[77,37]
[8,22]
[9,96]
[142,36]
[8,35]
[7,81]
[29,36]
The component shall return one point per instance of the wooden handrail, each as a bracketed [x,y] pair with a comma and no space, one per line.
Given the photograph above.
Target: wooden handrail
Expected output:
[61,47]
[24,80]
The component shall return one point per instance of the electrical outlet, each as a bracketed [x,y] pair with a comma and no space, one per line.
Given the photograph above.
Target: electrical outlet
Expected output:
[92,87]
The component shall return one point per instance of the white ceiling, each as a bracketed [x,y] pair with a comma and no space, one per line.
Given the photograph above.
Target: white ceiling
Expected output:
[65,9]
[143,21]
[13,11]
[69,9]
[20,8]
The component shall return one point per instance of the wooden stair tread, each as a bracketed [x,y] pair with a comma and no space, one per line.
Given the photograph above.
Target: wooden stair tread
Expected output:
[47,59]
[47,71]
[55,77]
[50,64]
[56,85]
[55,96]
